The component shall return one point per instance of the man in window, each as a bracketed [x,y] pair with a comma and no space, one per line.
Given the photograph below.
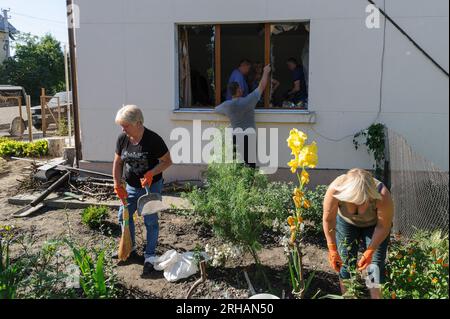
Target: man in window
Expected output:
[239,76]
[241,112]
[298,94]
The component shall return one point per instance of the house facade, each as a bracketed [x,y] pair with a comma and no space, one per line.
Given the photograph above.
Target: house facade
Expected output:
[6,33]
[172,58]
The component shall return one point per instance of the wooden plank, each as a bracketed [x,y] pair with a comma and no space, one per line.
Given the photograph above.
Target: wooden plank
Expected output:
[19,102]
[43,114]
[218,63]
[30,122]
[267,60]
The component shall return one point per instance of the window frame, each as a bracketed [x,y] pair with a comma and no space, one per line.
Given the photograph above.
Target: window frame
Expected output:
[218,63]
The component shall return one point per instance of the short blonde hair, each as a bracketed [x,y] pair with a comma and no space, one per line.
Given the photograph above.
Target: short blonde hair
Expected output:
[357,186]
[130,114]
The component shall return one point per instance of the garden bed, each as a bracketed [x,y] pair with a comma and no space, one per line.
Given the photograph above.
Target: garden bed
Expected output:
[178,231]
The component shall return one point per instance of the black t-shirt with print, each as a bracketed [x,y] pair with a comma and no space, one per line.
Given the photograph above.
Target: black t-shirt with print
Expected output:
[139,159]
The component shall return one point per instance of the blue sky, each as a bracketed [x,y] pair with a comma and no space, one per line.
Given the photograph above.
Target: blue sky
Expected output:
[38,17]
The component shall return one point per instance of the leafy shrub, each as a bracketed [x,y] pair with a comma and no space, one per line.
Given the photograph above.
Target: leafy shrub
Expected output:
[35,273]
[94,216]
[23,149]
[418,269]
[314,214]
[231,203]
[278,201]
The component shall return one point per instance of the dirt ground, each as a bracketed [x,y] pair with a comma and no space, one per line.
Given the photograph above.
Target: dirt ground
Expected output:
[177,231]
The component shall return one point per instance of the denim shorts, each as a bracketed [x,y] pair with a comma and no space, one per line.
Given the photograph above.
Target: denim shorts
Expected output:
[349,239]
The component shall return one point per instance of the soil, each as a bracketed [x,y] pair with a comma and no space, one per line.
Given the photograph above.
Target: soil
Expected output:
[177,231]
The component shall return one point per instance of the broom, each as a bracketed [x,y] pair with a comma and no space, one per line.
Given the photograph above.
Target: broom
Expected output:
[125,244]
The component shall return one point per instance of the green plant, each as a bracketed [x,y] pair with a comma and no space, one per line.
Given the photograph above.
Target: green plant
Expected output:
[314,213]
[231,204]
[10,274]
[95,279]
[23,149]
[376,145]
[418,268]
[94,216]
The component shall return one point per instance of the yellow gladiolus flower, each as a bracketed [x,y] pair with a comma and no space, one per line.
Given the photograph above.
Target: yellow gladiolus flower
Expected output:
[306,204]
[434,280]
[308,156]
[298,193]
[304,177]
[296,141]
[291,221]
[297,201]
[293,164]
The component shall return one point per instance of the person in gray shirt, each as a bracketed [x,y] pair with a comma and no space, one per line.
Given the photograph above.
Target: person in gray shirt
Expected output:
[241,111]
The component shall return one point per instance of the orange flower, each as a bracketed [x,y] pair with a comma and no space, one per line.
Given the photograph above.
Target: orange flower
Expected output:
[393,295]
[300,220]
[445,265]
[297,201]
[412,272]
[293,229]
[440,261]
[293,236]
[434,280]
[290,221]
[306,204]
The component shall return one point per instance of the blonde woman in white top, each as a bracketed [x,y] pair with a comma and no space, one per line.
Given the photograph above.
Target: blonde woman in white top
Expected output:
[358,210]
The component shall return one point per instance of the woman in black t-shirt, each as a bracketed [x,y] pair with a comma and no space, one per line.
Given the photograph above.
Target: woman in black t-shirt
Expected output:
[141,158]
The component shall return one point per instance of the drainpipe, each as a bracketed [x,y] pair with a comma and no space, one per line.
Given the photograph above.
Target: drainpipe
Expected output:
[73,67]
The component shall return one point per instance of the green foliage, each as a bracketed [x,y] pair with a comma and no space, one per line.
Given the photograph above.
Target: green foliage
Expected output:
[231,204]
[313,215]
[95,279]
[418,269]
[23,149]
[35,273]
[38,63]
[375,143]
[94,216]
[277,198]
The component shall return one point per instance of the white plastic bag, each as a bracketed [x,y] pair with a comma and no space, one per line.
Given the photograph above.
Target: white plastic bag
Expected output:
[176,266]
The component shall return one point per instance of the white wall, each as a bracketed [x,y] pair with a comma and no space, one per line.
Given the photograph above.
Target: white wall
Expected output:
[127,55]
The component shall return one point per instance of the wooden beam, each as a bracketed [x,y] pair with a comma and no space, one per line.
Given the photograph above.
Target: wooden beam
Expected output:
[267,60]
[218,63]
[19,101]
[30,123]
[43,113]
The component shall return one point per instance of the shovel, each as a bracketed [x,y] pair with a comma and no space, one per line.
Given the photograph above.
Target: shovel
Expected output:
[36,204]
[150,203]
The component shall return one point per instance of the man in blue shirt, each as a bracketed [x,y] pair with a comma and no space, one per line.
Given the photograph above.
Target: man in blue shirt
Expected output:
[239,76]
[298,93]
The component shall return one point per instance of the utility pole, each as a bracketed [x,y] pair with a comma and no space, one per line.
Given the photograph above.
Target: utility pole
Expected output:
[5,18]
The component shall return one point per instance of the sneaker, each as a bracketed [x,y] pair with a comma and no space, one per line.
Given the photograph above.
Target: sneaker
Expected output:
[133,254]
[148,268]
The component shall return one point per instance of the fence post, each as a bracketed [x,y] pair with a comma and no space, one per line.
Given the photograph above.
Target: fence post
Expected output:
[387,160]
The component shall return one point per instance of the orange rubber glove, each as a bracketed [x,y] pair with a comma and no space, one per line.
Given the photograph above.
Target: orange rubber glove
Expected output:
[333,257]
[366,259]
[120,191]
[147,180]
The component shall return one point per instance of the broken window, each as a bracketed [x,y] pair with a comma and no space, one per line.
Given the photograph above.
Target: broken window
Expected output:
[208,55]
[196,66]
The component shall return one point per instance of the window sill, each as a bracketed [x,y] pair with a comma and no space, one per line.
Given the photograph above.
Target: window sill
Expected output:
[262,116]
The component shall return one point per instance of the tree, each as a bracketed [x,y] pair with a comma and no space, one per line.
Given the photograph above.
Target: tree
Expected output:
[38,63]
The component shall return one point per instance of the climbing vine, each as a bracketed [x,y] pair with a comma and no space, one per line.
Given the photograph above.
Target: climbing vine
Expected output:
[375,143]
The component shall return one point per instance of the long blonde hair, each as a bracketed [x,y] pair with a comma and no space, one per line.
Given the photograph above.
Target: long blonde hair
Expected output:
[357,186]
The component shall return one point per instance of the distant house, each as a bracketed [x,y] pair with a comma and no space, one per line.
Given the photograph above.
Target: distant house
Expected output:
[7,31]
